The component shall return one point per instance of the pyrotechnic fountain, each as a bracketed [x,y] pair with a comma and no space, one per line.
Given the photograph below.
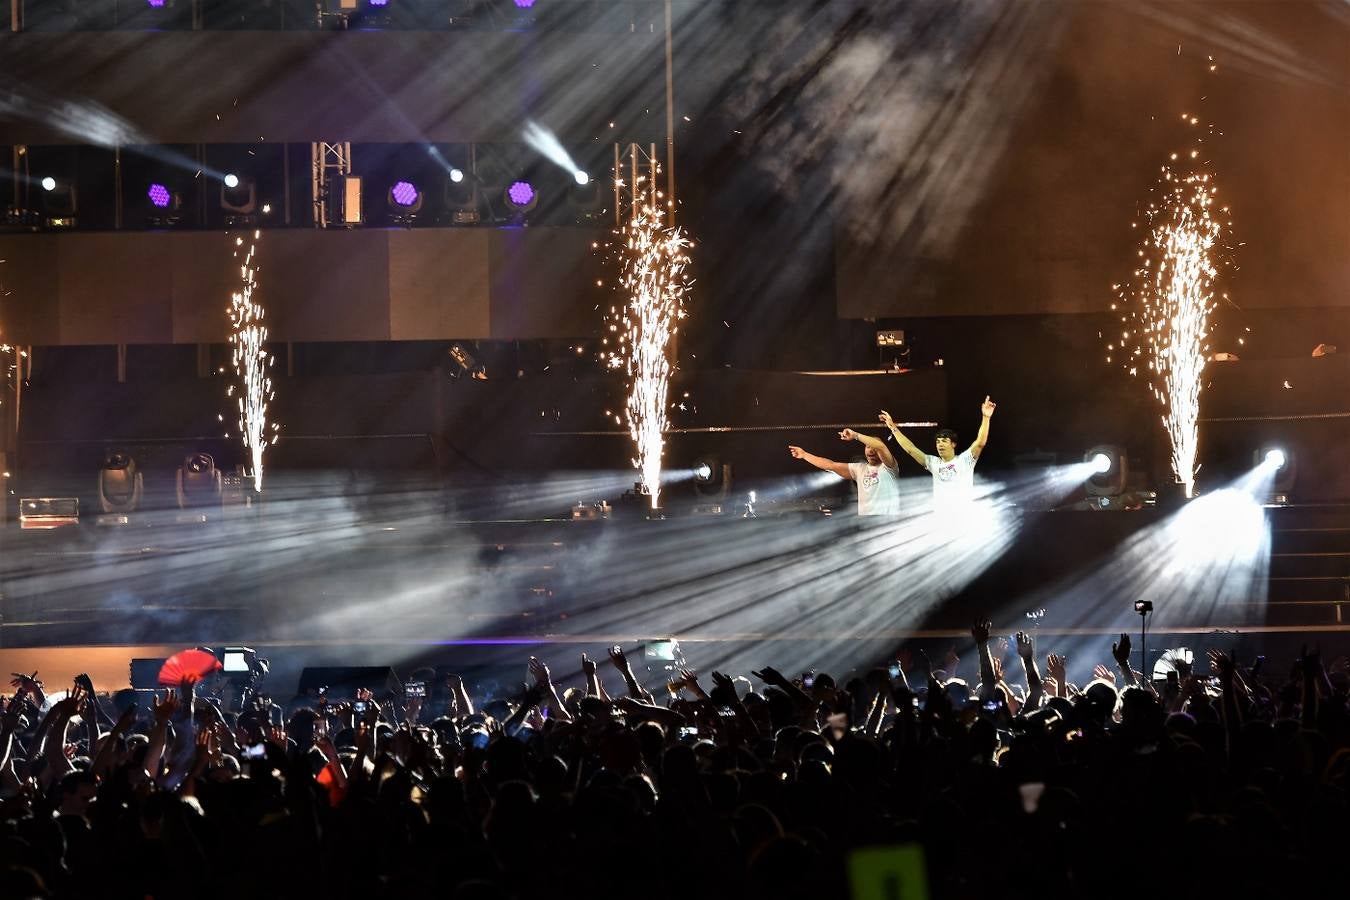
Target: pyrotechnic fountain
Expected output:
[253,386]
[653,280]
[1165,311]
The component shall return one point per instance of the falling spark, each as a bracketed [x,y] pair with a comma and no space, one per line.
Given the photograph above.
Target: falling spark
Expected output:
[1172,299]
[248,338]
[653,259]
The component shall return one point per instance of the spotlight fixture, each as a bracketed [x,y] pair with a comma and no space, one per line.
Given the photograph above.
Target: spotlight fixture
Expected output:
[522,196]
[711,477]
[198,481]
[159,196]
[1282,465]
[120,486]
[406,195]
[1110,471]
[165,205]
[59,207]
[586,198]
[581,178]
[405,202]
[461,198]
[239,200]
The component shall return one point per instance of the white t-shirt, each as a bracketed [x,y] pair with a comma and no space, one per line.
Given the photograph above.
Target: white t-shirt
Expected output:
[878,489]
[953,480]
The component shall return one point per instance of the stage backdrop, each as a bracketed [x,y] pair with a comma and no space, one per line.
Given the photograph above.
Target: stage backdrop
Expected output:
[363,285]
[1020,195]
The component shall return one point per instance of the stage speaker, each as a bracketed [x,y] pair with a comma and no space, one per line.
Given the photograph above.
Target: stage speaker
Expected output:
[343,681]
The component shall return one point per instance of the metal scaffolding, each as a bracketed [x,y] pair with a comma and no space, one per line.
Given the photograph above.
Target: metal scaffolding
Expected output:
[330,164]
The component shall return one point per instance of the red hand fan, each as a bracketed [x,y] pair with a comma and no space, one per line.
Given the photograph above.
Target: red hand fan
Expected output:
[188,665]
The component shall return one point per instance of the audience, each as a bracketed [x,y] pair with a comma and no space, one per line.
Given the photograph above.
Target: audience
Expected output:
[1015,783]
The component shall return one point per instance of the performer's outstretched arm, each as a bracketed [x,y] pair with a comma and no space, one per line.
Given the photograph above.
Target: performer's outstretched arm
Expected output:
[905,443]
[982,438]
[887,458]
[820,462]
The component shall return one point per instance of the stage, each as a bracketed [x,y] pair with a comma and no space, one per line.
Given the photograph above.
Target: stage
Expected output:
[401,582]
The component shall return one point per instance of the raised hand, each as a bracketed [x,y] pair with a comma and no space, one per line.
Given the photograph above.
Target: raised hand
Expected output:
[165,708]
[13,709]
[587,665]
[1223,664]
[769,675]
[539,671]
[70,704]
[886,419]
[202,747]
[533,696]
[619,659]
[848,434]
[796,452]
[1102,672]
[980,631]
[27,683]
[987,407]
[1120,651]
[998,669]
[724,681]
[1026,646]
[1054,667]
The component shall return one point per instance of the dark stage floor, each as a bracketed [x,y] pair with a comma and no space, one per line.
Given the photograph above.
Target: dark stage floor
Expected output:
[401,581]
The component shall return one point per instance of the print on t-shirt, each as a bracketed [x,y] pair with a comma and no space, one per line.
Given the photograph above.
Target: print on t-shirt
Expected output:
[878,489]
[953,479]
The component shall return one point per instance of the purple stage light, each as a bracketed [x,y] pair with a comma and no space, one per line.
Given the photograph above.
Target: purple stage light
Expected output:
[521,193]
[159,194]
[524,4]
[155,4]
[404,193]
[379,3]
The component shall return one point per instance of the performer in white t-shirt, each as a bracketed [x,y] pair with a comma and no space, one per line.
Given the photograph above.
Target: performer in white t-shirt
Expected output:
[953,473]
[878,478]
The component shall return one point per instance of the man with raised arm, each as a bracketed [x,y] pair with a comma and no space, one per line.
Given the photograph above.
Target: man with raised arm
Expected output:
[878,477]
[953,473]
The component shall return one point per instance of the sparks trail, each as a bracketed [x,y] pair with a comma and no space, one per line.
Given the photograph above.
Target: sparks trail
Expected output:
[653,260]
[248,339]
[1166,310]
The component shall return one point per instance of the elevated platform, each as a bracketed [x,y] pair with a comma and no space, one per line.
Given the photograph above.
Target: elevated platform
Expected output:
[408,579]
